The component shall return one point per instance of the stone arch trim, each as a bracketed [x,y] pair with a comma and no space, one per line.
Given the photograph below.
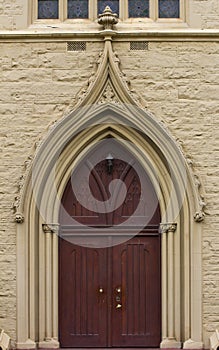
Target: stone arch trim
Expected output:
[106,107]
[41,198]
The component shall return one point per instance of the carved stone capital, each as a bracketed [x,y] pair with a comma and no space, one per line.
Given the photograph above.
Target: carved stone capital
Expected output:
[108,19]
[54,227]
[168,227]
[19,218]
[46,228]
[50,228]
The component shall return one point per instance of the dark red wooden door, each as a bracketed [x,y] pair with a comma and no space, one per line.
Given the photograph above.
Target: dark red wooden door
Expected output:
[136,292]
[83,308]
[109,295]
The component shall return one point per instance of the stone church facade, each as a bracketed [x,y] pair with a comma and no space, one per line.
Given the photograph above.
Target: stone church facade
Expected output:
[69,83]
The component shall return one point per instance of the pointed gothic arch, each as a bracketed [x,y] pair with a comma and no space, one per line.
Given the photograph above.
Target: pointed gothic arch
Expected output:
[41,202]
[96,116]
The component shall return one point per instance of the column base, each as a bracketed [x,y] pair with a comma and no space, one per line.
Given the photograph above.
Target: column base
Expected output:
[170,343]
[49,344]
[191,344]
[28,344]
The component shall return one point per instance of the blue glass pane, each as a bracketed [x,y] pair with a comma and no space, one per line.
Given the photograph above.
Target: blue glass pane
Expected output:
[77,8]
[48,9]
[138,8]
[169,8]
[113,4]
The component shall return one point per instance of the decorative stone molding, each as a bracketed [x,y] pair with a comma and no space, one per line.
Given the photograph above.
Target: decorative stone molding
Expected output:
[19,218]
[199,216]
[47,228]
[29,344]
[214,340]
[191,344]
[201,204]
[4,340]
[108,19]
[170,343]
[50,228]
[16,207]
[108,96]
[106,69]
[54,227]
[49,343]
[168,227]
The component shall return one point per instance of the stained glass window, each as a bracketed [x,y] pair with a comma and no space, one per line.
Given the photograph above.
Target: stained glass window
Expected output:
[139,8]
[169,8]
[113,4]
[77,8]
[48,9]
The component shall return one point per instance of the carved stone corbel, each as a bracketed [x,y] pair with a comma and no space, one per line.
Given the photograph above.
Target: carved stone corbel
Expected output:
[19,218]
[199,216]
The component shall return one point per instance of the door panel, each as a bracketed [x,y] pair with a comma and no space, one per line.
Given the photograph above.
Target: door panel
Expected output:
[97,281]
[136,270]
[83,308]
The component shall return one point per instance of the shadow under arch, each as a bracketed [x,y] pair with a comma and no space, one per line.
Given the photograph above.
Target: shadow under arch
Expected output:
[37,243]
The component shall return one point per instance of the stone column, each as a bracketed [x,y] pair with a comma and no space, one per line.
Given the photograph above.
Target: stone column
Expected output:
[168,297]
[24,340]
[195,340]
[50,290]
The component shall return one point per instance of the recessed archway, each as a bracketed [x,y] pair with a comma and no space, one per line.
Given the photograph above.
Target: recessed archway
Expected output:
[37,242]
[109,253]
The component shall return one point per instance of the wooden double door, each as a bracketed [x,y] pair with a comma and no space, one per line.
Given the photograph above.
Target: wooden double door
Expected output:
[109,296]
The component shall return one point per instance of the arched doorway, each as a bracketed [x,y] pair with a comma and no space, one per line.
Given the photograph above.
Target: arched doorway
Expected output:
[110,275]
[37,239]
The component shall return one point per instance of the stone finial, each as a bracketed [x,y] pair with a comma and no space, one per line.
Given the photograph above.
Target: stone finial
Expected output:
[107,19]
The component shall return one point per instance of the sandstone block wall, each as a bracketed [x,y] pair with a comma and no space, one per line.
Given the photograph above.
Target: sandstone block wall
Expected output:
[39,82]
[179,84]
